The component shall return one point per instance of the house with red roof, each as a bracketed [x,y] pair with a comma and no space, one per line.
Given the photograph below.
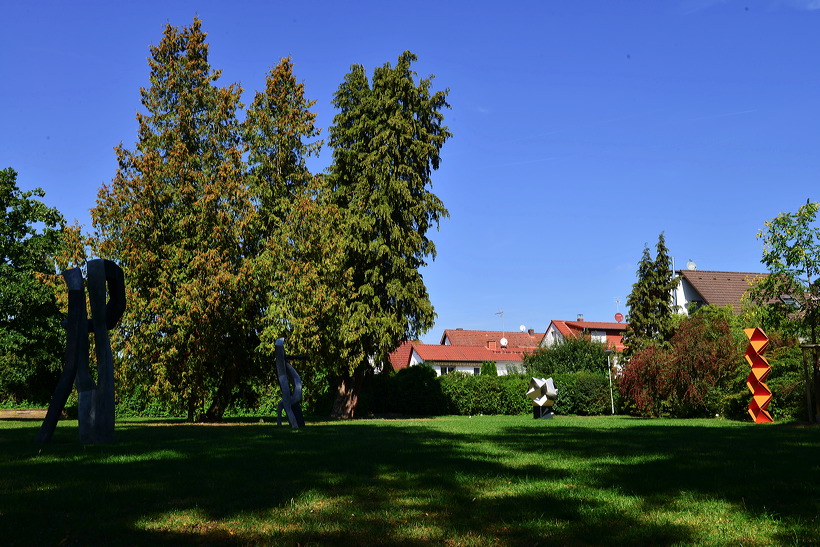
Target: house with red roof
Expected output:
[611,334]
[448,358]
[464,351]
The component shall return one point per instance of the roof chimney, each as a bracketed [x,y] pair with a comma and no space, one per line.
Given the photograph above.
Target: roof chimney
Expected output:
[491,345]
[580,317]
[530,331]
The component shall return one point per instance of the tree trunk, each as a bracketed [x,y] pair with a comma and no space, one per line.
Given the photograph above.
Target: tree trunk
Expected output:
[223,396]
[347,395]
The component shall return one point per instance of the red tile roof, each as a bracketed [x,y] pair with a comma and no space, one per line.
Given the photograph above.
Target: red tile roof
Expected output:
[473,354]
[400,357]
[614,331]
[579,326]
[461,337]
[721,288]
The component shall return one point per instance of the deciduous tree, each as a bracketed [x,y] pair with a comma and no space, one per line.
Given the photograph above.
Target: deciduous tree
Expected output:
[791,252]
[31,338]
[567,356]
[694,375]
[386,140]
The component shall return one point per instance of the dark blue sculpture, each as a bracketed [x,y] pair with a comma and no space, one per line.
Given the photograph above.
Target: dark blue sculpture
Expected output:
[291,396]
[96,401]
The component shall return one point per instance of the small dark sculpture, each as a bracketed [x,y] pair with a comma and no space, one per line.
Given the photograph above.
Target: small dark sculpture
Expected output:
[291,398]
[96,402]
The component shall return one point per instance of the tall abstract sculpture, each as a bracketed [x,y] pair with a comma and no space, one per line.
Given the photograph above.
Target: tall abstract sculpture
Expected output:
[761,394]
[95,401]
[543,394]
[291,385]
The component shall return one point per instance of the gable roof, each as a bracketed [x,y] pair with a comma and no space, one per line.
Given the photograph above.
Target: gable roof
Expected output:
[573,329]
[461,337]
[721,288]
[400,357]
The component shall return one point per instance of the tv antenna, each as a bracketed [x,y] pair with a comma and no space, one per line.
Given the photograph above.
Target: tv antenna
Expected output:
[503,340]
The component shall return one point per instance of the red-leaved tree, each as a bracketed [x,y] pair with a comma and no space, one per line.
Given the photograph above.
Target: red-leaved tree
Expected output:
[692,378]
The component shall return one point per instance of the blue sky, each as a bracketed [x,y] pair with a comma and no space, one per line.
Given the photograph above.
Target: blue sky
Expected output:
[582,129]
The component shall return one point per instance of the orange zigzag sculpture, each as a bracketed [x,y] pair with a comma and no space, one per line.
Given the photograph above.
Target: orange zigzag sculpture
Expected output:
[761,394]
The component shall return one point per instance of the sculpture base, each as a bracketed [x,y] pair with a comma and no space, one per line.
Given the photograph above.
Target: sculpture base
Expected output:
[542,412]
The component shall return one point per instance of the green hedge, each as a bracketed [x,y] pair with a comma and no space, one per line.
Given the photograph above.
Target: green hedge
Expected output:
[413,391]
[417,391]
[468,395]
[582,393]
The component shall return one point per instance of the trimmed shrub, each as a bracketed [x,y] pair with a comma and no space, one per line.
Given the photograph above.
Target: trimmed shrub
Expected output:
[470,395]
[413,390]
[583,393]
[417,391]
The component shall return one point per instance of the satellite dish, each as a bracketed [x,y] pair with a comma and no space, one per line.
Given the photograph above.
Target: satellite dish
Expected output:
[522,328]
[691,265]
[503,342]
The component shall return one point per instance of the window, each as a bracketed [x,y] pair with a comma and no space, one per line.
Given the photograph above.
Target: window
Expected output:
[447,370]
[476,371]
[598,336]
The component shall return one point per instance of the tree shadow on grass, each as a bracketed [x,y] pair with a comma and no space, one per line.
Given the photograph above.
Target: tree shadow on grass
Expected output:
[385,483]
[768,471]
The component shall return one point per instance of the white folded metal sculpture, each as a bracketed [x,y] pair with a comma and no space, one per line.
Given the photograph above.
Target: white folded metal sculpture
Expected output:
[543,394]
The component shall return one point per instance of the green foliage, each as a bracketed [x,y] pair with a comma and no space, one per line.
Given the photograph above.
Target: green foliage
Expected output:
[469,395]
[31,338]
[791,253]
[412,391]
[785,379]
[416,391]
[650,301]
[386,140]
[695,376]
[583,393]
[567,356]
[178,217]
[301,255]
[489,368]
[227,240]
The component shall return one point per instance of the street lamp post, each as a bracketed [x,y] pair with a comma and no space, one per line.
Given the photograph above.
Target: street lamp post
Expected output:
[609,373]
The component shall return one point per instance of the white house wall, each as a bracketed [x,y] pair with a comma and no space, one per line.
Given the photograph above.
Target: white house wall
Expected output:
[684,294]
[552,336]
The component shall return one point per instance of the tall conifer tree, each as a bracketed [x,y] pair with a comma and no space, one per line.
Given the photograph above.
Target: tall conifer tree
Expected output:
[639,326]
[176,216]
[300,253]
[664,282]
[650,301]
[386,141]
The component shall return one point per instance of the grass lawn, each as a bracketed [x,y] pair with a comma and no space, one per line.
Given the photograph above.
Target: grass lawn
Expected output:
[453,480]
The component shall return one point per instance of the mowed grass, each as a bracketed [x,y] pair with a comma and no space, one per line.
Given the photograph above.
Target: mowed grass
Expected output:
[451,480]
